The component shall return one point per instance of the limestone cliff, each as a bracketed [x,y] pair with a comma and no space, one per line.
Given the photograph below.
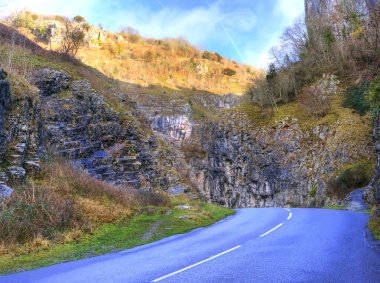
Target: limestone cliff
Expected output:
[70,119]
[239,162]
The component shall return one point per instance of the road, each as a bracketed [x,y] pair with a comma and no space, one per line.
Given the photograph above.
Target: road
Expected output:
[255,245]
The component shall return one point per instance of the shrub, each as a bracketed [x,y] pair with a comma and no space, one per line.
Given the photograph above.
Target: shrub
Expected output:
[219,58]
[79,19]
[229,72]
[65,199]
[356,98]
[73,38]
[374,224]
[148,56]
[193,151]
[354,176]
[313,191]
[374,94]
[23,19]
[315,103]
[206,55]
[36,211]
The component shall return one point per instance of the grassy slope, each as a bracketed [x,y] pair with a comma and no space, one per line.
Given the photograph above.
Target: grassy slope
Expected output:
[169,63]
[113,237]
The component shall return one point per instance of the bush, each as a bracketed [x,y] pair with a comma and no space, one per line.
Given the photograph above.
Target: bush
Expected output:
[219,58]
[206,55]
[193,151]
[65,199]
[79,19]
[356,98]
[23,19]
[354,176]
[73,38]
[33,212]
[315,103]
[374,94]
[229,72]
[374,224]
[133,38]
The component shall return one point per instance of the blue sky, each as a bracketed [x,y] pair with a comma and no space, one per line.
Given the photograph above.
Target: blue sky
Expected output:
[242,30]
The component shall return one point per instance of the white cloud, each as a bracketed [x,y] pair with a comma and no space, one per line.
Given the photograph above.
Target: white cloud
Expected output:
[198,24]
[290,10]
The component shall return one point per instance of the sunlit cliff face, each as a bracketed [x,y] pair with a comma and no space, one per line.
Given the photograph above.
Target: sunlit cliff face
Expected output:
[321,7]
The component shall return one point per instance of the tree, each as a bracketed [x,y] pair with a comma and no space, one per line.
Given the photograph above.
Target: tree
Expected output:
[79,19]
[229,72]
[73,38]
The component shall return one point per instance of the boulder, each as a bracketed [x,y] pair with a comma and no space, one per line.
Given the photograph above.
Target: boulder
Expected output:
[32,167]
[16,174]
[50,81]
[176,190]
[5,191]
[354,201]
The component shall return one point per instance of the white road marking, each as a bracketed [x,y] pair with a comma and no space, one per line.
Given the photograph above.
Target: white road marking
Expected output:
[271,230]
[196,264]
[287,209]
[290,216]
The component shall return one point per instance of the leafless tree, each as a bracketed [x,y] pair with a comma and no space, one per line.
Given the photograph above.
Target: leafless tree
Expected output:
[73,38]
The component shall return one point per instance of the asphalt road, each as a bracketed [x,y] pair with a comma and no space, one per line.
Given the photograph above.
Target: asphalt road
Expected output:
[255,245]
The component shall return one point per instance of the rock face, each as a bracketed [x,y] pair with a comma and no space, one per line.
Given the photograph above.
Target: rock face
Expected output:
[18,142]
[228,159]
[5,192]
[376,179]
[83,128]
[72,120]
[327,7]
[50,81]
[5,101]
[264,168]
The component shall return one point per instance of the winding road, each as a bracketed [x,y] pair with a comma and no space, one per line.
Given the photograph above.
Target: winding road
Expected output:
[255,245]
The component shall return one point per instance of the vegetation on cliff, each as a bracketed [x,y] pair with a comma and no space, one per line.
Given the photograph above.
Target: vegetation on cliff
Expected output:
[127,56]
[325,63]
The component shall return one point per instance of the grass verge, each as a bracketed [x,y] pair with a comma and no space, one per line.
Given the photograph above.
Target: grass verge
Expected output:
[374,225]
[112,237]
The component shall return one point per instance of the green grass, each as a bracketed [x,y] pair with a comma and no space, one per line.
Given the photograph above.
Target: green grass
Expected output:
[113,237]
[335,207]
[374,226]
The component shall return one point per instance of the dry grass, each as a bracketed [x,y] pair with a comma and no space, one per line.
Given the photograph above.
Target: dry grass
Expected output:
[62,205]
[171,63]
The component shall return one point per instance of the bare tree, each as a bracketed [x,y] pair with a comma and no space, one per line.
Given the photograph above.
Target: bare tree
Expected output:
[73,38]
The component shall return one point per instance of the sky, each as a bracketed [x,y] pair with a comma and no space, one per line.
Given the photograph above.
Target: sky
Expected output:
[241,30]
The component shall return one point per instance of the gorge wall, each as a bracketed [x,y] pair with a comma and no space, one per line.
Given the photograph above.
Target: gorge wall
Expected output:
[68,118]
[235,161]
[226,156]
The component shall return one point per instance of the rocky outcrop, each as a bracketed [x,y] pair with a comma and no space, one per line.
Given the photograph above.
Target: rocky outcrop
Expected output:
[69,118]
[18,136]
[81,127]
[5,192]
[266,167]
[327,7]
[374,194]
[176,127]
[50,81]
[5,99]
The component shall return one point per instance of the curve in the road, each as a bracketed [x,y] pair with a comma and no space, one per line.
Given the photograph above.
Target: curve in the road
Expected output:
[311,245]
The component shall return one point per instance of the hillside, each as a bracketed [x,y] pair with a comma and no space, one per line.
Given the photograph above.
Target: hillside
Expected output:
[128,57]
